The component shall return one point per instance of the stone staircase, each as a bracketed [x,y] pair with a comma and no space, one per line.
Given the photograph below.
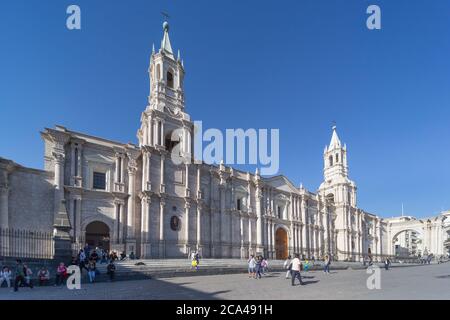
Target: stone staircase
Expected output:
[159,268]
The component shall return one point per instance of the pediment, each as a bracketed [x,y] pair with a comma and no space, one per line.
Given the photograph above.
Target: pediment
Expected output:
[282,183]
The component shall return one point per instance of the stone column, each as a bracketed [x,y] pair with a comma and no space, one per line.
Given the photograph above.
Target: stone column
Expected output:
[162,204]
[144,171]
[149,173]
[61,222]
[162,188]
[250,248]
[131,204]
[259,221]
[304,227]
[162,133]
[199,209]
[187,207]
[155,132]
[59,174]
[269,238]
[150,131]
[121,219]
[78,218]
[273,239]
[222,214]
[320,251]
[241,234]
[212,227]
[4,215]
[187,190]
[145,210]
[114,233]
[199,225]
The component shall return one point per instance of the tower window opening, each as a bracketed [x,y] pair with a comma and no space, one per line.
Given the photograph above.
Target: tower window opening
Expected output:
[169,143]
[331,160]
[337,158]
[238,204]
[169,79]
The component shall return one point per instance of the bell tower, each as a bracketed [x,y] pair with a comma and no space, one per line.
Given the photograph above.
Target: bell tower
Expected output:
[339,197]
[335,172]
[165,111]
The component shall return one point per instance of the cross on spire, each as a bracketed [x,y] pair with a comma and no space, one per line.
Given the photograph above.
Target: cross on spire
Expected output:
[333,124]
[165,15]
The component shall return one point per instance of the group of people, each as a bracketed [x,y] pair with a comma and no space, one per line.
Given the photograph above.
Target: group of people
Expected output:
[21,276]
[257,266]
[88,258]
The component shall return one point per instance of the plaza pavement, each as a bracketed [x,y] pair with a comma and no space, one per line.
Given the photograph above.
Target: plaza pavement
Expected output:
[421,282]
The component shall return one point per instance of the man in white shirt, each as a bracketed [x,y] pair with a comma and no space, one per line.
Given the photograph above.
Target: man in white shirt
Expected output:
[296,270]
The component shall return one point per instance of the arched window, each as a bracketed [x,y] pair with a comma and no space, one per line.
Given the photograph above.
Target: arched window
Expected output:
[169,143]
[169,79]
[330,198]
[337,158]
[331,160]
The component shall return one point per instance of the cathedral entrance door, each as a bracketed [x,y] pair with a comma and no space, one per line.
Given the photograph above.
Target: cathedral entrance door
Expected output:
[97,235]
[281,244]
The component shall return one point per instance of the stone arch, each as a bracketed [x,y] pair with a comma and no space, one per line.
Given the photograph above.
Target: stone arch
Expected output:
[98,234]
[396,233]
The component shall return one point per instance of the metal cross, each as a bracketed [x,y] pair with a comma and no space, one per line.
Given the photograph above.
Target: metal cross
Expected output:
[165,15]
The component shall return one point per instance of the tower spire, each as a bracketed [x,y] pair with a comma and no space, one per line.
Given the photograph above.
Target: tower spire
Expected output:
[166,47]
[335,141]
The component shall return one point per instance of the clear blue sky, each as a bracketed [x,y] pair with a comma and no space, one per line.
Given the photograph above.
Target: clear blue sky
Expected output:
[292,65]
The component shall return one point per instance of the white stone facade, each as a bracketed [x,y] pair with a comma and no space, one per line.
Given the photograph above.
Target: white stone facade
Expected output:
[220,211]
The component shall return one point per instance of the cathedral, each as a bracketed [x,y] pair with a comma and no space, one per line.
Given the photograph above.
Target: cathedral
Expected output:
[134,198]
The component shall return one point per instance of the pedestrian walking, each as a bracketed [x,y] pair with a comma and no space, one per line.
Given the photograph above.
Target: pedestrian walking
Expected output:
[19,275]
[288,266]
[296,270]
[327,263]
[251,267]
[387,263]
